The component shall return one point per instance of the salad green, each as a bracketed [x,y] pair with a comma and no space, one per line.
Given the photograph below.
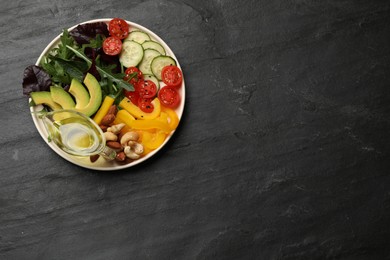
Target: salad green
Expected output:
[72,60]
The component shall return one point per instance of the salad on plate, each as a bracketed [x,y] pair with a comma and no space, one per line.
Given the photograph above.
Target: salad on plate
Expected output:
[121,75]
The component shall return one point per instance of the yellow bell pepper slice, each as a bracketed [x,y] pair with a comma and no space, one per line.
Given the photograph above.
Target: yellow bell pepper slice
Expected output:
[138,124]
[137,112]
[123,117]
[141,138]
[163,117]
[149,124]
[107,103]
[173,121]
[152,140]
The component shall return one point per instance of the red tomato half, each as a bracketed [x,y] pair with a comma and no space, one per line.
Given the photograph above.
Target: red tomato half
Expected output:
[146,89]
[134,80]
[145,104]
[169,97]
[172,76]
[133,96]
[112,46]
[118,28]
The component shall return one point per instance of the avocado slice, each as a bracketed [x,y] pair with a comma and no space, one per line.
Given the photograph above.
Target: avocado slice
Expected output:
[95,93]
[44,98]
[62,97]
[80,93]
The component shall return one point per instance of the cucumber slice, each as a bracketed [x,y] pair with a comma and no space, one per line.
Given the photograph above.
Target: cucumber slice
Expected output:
[159,63]
[152,78]
[132,53]
[138,36]
[153,45]
[149,55]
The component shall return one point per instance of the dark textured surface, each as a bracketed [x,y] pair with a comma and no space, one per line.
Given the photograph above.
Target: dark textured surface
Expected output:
[282,152]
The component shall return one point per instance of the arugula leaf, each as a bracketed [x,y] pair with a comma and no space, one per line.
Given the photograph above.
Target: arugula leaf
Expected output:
[71,68]
[62,51]
[114,78]
[56,72]
[58,63]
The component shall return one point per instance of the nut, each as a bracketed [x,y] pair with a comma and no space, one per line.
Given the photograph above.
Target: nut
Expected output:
[116,128]
[129,136]
[93,158]
[114,145]
[130,153]
[108,119]
[103,127]
[110,136]
[136,147]
[121,156]
[112,110]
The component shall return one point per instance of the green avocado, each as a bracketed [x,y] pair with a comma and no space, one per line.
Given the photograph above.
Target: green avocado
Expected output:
[80,93]
[95,93]
[63,98]
[44,98]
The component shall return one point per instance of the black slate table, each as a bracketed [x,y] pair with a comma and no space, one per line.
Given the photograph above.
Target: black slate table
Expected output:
[282,152]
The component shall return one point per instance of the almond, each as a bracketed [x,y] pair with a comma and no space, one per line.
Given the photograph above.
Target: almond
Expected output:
[112,110]
[114,145]
[93,158]
[103,127]
[108,119]
[121,156]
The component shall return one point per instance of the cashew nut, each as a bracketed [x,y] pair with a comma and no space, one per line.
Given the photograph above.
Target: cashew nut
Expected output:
[116,128]
[129,136]
[110,136]
[130,153]
[136,147]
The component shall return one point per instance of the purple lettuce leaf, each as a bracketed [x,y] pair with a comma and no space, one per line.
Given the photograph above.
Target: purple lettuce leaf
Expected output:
[84,33]
[35,79]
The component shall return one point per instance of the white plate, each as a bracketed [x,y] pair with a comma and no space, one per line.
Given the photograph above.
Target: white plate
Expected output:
[102,164]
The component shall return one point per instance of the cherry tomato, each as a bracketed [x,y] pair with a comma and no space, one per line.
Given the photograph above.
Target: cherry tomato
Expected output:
[172,76]
[145,104]
[146,89]
[134,80]
[133,96]
[169,97]
[118,28]
[112,46]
